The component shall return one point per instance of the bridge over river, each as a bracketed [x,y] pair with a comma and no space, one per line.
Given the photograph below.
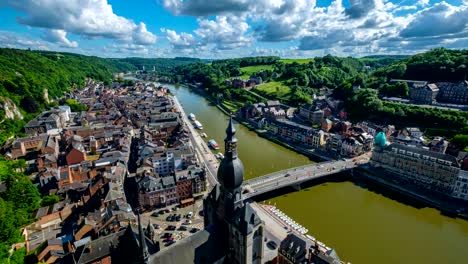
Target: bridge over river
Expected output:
[294,177]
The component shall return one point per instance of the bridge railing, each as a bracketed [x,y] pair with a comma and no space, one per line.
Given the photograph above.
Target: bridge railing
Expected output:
[260,178]
[284,182]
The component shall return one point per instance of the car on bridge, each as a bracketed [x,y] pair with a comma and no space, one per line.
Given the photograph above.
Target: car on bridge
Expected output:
[287,175]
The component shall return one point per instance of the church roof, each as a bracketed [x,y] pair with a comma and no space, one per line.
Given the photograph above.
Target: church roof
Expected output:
[246,219]
[231,169]
[205,246]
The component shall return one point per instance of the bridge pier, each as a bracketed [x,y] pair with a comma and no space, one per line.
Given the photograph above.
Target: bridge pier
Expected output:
[296,187]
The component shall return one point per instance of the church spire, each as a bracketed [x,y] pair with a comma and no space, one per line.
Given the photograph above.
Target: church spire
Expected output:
[144,255]
[230,142]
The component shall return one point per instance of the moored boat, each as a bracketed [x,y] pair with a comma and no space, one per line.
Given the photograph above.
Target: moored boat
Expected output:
[212,143]
[191,116]
[203,135]
[197,124]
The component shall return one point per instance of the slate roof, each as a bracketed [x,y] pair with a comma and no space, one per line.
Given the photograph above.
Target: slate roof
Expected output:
[425,152]
[246,219]
[298,248]
[205,246]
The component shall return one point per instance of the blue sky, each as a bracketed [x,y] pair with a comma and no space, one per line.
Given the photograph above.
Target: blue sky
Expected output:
[234,28]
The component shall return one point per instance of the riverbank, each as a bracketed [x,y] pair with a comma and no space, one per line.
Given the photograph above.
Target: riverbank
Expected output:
[363,221]
[315,155]
[446,205]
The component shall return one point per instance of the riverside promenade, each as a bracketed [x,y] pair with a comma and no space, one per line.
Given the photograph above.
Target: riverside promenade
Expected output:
[203,153]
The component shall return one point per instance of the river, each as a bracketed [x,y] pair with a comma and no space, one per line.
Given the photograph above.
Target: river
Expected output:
[362,225]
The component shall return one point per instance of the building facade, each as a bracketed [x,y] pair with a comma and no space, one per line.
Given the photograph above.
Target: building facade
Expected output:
[431,170]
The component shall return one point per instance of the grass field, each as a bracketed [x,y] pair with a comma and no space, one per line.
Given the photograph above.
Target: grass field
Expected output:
[274,89]
[232,106]
[300,61]
[249,70]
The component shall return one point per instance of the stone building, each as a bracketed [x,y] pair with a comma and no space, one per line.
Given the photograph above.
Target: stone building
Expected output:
[454,93]
[424,94]
[432,170]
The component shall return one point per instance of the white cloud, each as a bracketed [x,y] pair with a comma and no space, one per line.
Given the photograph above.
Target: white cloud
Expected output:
[142,36]
[180,41]
[90,18]
[225,32]
[60,37]
[13,40]
[439,19]
[423,3]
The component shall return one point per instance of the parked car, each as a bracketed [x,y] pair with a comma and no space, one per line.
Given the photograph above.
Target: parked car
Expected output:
[188,222]
[155,214]
[182,228]
[169,218]
[178,218]
[171,228]
[162,212]
[272,245]
[190,214]
[170,243]
[194,230]
[167,211]
[166,235]
[156,226]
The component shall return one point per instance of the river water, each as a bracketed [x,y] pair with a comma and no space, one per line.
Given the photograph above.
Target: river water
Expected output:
[362,225]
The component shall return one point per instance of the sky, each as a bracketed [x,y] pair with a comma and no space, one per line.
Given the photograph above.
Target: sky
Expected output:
[215,29]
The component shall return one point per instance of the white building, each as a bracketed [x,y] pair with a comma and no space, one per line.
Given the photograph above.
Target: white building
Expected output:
[461,186]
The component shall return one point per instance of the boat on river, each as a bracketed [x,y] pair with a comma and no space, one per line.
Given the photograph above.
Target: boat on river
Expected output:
[197,124]
[213,144]
[191,116]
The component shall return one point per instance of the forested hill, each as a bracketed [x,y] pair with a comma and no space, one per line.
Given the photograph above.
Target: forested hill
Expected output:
[27,73]
[435,65]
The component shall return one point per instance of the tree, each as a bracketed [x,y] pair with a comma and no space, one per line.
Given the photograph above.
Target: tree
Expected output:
[29,104]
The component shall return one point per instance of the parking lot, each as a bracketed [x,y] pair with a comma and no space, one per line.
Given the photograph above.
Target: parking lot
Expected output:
[174,223]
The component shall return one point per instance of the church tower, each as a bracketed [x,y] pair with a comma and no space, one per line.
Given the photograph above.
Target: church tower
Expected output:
[230,176]
[224,206]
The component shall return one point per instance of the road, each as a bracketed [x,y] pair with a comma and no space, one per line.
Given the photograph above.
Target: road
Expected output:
[297,175]
[202,152]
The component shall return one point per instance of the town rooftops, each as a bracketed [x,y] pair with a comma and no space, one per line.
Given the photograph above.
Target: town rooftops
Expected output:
[298,248]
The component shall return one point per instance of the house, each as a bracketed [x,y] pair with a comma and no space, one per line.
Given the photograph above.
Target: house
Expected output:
[438,144]
[426,94]
[351,147]
[156,192]
[51,251]
[296,249]
[306,111]
[47,121]
[454,93]
[327,124]
[76,155]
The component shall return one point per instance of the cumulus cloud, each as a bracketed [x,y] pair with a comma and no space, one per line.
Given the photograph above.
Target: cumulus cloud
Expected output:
[142,36]
[90,18]
[180,41]
[12,40]
[60,37]
[440,19]
[206,7]
[423,2]
[225,32]
[360,8]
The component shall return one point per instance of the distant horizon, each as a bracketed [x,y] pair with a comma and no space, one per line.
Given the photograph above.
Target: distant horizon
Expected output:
[218,29]
[227,58]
